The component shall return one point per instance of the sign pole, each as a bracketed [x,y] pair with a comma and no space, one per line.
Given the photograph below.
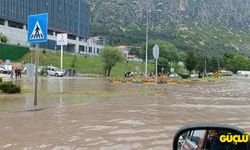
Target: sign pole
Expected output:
[61,40]
[36,73]
[37,32]
[61,57]
[156,71]
[156,56]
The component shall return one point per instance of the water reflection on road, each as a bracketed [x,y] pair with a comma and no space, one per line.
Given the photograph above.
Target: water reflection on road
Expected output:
[95,114]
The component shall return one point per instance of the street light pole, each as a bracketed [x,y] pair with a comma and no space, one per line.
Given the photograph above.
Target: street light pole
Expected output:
[148,11]
[146,59]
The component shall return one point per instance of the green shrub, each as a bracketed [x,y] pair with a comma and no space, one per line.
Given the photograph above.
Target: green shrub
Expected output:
[9,87]
[44,51]
[42,72]
[1,80]
[4,38]
[8,51]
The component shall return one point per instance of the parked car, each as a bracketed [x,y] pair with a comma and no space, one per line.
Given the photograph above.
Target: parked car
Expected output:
[194,75]
[243,73]
[184,76]
[54,71]
[174,75]
[2,70]
[8,68]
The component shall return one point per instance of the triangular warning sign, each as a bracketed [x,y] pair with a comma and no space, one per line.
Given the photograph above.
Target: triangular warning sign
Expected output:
[37,32]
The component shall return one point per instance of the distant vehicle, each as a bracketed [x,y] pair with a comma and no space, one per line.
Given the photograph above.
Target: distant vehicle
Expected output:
[135,59]
[174,75]
[243,73]
[6,69]
[184,76]
[2,69]
[210,74]
[226,73]
[194,75]
[54,71]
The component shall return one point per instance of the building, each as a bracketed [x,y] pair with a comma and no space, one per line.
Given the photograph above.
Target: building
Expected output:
[127,52]
[65,16]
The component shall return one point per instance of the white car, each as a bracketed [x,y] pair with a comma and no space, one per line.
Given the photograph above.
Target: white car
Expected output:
[2,70]
[194,75]
[174,75]
[54,71]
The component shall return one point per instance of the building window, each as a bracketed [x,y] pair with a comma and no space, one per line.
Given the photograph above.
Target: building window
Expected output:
[90,49]
[15,25]
[97,50]
[50,32]
[1,22]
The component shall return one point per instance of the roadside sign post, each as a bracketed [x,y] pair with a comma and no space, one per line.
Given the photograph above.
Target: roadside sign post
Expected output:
[156,56]
[37,32]
[36,73]
[62,39]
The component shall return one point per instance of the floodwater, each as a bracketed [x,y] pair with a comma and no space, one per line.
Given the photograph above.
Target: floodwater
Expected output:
[86,114]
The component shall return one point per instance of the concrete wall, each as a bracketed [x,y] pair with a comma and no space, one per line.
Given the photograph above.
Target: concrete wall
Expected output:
[15,35]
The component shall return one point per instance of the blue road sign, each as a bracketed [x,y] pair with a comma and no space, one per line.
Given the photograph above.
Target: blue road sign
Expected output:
[37,28]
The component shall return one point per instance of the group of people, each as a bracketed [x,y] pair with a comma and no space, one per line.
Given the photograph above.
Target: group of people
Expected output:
[16,72]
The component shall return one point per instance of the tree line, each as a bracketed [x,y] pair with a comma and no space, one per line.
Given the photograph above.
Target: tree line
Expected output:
[183,62]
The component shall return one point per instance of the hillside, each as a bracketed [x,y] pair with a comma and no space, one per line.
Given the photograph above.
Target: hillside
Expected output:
[120,13]
[213,27]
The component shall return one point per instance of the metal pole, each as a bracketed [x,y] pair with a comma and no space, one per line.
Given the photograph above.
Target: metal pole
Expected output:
[61,57]
[218,64]
[78,32]
[146,65]
[156,71]
[36,73]
[31,57]
[205,66]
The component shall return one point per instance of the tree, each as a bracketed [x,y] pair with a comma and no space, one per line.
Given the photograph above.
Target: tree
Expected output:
[110,56]
[236,62]
[133,27]
[191,60]
[169,54]
[3,38]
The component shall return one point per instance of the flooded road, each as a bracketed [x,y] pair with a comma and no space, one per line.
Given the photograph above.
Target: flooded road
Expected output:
[82,114]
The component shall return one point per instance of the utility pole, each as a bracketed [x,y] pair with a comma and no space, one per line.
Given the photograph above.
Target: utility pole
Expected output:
[146,65]
[205,66]
[148,11]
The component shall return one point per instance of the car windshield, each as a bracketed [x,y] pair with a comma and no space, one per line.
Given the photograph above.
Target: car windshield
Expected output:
[133,71]
[56,69]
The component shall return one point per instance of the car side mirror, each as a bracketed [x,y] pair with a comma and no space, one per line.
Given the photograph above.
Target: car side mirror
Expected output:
[210,137]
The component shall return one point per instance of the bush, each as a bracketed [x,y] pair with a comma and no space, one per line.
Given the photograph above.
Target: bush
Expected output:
[42,72]
[44,51]
[4,38]
[12,52]
[9,87]
[1,80]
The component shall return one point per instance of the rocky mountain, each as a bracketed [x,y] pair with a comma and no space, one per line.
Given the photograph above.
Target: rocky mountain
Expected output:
[120,13]
[214,26]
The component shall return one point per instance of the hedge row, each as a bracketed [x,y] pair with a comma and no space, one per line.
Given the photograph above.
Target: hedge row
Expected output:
[9,87]
[12,52]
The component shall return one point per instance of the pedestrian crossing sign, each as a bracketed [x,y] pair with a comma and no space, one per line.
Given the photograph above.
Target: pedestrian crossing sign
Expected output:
[37,28]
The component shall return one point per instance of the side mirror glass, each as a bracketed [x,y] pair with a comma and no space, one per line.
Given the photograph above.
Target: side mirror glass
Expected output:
[211,138]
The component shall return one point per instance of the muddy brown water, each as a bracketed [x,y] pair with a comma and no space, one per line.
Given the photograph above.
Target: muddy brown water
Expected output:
[81,114]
